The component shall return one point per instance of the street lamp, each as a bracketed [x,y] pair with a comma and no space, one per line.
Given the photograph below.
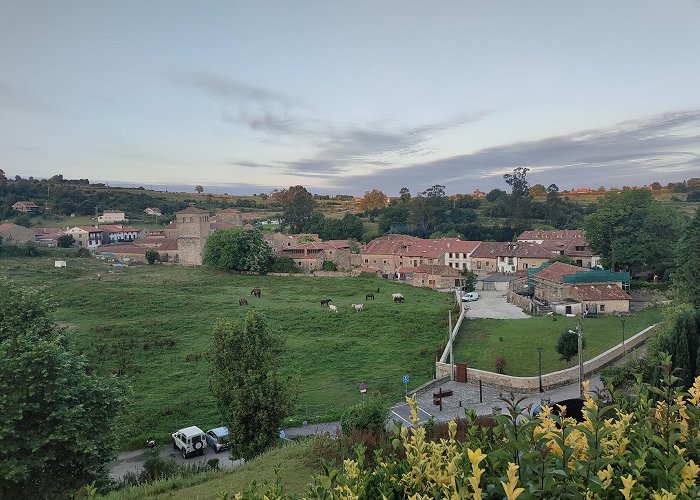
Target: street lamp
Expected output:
[624,351]
[539,352]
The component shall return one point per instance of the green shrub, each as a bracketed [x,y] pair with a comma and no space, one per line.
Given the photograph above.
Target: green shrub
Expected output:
[368,415]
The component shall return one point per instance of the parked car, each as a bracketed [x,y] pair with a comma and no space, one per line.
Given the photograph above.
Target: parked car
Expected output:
[218,439]
[470,297]
[190,441]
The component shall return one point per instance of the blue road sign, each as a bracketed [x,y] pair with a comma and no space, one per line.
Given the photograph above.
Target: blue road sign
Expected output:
[405,379]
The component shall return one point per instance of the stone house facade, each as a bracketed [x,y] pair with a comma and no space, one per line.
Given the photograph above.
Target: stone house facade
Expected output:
[436,276]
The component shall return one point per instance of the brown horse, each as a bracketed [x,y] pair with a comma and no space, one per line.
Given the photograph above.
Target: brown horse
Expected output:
[255,292]
[242,302]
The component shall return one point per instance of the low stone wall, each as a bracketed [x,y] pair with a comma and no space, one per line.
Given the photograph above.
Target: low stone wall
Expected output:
[523,303]
[322,274]
[553,379]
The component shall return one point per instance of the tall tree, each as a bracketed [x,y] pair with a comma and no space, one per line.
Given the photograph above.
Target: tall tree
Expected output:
[686,278]
[298,205]
[553,203]
[238,249]
[56,421]
[374,199]
[404,194]
[567,345]
[199,188]
[252,396]
[632,231]
[519,191]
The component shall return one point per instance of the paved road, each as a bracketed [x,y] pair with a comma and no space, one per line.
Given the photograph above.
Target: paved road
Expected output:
[493,304]
[132,461]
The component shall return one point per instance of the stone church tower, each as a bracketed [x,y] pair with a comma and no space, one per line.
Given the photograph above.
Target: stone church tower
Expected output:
[193,230]
[230,215]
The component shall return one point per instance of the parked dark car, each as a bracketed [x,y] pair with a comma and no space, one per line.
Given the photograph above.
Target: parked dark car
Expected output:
[218,439]
[574,408]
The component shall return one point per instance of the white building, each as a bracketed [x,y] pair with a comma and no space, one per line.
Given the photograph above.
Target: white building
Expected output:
[111,216]
[119,234]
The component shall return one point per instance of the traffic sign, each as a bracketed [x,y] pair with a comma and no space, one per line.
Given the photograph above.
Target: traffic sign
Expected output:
[405,379]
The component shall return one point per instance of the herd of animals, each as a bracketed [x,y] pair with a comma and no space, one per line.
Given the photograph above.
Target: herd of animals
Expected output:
[396,297]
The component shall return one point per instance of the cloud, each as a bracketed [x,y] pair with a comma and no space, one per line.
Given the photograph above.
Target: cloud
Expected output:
[222,87]
[645,149]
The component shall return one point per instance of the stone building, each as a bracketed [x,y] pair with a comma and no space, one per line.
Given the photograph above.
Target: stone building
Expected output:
[230,215]
[193,229]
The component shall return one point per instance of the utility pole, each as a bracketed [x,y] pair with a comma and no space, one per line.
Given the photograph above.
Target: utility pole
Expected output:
[539,352]
[579,330]
[452,358]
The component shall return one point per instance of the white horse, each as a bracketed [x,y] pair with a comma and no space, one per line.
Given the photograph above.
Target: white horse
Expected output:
[358,307]
[333,308]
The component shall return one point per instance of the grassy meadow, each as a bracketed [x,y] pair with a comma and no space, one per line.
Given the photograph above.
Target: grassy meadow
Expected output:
[481,341]
[152,326]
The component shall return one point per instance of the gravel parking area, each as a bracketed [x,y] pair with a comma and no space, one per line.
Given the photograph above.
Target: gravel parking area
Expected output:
[493,304]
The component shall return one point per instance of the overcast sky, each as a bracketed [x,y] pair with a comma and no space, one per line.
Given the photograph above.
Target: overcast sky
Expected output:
[346,96]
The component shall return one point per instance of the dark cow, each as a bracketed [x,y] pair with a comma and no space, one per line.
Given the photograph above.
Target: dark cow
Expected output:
[255,292]
[242,302]
[369,296]
[325,302]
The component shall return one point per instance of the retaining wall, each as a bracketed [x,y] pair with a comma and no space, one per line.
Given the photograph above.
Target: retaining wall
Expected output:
[553,379]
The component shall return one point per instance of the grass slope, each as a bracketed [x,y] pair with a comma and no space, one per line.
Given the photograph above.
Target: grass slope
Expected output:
[154,324]
[295,474]
[480,341]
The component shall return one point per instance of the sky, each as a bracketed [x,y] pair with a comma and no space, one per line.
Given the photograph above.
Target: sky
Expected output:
[348,96]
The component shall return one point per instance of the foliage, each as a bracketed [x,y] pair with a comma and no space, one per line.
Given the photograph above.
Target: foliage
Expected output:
[237,249]
[632,231]
[199,188]
[646,447]
[562,258]
[500,364]
[520,189]
[567,344]
[57,422]
[694,196]
[469,280]
[298,205]
[252,396]
[65,241]
[329,265]
[152,256]
[369,415]
[404,194]
[23,220]
[373,199]
[686,278]
[683,343]
[284,264]
[349,227]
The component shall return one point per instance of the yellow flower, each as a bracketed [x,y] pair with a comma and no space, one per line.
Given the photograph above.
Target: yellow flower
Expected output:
[627,483]
[512,492]
[695,391]
[413,406]
[452,429]
[475,457]
[605,476]
[664,495]
[689,473]
[351,469]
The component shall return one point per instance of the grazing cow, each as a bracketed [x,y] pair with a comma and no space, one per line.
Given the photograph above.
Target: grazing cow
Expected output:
[255,292]
[325,302]
[358,307]
[397,297]
[242,302]
[369,296]
[333,308]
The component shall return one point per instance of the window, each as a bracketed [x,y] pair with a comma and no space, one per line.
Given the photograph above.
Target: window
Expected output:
[601,307]
[478,264]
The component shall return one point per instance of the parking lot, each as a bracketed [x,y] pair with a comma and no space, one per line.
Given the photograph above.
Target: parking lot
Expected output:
[492,304]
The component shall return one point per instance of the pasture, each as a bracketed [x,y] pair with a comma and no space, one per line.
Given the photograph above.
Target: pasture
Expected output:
[152,325]
[481,341]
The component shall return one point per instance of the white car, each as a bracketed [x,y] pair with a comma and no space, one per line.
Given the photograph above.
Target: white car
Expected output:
[470,297]
[190,441]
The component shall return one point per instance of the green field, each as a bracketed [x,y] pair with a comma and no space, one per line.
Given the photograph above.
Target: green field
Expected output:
[481,341]
[152,325]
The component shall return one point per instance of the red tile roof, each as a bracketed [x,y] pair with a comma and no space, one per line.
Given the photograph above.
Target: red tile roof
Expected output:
[118,228]
[430,249]
[489,250]
[528,250]
[455,245]
[556,270]
[558,234]
[7,226]
[600,292]
[388,245]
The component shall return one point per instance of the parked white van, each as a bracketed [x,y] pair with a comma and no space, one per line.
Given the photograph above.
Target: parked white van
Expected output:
[470,297]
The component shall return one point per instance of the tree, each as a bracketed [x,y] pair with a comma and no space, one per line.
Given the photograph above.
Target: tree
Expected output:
[284,264]
[435,191]
[252,396]
[469,279]
[630,230]
[65,241]
[152,256]
[682,342]
[538,190]
[199,188]
[238,249]
[298,205]
[404,195]
[495,194]
[374,199]
[394,218]
[519,191]
[23,220]
[57,422]
[329,265]
[686,278]
[553,202]
[567,345]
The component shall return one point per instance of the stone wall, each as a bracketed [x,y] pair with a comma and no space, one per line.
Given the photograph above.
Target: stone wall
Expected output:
[523,303]
[549,380]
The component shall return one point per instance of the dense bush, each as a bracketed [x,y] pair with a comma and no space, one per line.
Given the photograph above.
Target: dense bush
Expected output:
[367,415]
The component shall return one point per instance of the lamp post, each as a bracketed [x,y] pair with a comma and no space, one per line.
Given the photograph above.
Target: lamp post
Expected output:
[539,352]
[624,351]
